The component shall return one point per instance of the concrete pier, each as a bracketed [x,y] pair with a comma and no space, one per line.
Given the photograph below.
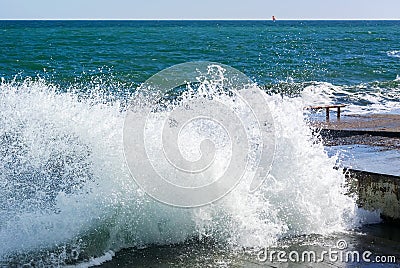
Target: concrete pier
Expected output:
[375,190]
[385,125]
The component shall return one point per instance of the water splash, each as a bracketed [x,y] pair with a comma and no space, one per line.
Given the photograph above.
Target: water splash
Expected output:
[67,195]
[373,97]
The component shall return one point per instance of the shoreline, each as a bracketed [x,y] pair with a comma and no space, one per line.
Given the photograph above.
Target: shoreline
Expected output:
[379,239]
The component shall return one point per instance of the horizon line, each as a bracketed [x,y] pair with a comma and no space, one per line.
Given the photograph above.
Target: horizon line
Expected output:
[196,19]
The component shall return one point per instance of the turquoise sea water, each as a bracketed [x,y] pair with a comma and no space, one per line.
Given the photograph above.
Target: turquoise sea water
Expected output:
[338,52]
[66,195]
[357,56]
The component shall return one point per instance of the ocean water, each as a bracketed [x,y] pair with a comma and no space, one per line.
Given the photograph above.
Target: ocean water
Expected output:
[354,62]
[67,196]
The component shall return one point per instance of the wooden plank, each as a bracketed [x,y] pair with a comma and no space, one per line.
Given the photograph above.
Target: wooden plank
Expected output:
[317,107]
[327,107]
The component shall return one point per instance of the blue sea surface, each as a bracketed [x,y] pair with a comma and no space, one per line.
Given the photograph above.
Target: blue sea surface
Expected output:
[67,196]
[338,52]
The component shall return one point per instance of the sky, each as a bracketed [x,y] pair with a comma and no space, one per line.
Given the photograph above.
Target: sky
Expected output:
[200,9]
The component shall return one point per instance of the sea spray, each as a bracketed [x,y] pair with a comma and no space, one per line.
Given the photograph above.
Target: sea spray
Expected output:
[67,194]
[372,97]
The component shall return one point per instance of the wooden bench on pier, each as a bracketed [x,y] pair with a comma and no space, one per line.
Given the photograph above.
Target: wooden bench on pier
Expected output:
[327,107]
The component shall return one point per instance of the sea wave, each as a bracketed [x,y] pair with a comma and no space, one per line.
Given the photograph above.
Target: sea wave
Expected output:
[373,97]
[393,53]
[67,196]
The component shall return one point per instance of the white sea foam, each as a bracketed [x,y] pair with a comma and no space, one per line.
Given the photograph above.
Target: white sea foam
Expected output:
[394,53]
[376,97]
[65,184]
[95,261]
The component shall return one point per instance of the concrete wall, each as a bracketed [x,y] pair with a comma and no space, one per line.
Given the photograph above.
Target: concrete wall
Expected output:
[377,192]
